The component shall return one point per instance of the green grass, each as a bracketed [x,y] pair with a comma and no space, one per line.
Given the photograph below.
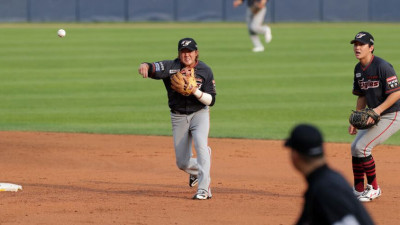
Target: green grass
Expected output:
[88,81]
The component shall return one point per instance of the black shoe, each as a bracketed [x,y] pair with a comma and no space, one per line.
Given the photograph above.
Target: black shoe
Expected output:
[193,180]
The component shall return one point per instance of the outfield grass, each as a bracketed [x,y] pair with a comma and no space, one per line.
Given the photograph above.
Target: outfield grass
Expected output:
[88,81]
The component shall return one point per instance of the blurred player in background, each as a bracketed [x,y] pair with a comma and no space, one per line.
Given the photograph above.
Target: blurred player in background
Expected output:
[255,14]
[190,115]
[329,198]
[376,85]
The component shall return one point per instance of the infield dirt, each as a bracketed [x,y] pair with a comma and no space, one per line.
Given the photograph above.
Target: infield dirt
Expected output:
[125,179]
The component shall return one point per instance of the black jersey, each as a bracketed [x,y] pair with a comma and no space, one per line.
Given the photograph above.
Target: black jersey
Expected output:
[329,199]
[251,2]
[376,82]
[177,102]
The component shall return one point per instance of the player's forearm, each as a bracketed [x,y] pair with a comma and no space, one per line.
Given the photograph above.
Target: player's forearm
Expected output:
[203,97]
[390,100]
[361,102]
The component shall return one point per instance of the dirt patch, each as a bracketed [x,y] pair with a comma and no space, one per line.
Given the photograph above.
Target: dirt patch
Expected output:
[125,179]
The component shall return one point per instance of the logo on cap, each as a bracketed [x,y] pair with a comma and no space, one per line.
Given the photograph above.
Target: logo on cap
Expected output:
[360,35]
[188,43]
[185,43]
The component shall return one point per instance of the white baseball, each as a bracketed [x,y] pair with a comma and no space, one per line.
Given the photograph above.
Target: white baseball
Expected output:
[61,33]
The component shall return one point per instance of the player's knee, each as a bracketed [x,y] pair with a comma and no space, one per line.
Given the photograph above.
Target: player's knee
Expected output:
[357,149]
[353,146]
[251,32]
[253,29]
[182,165]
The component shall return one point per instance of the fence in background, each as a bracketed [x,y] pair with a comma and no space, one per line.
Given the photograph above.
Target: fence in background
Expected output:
[195,10]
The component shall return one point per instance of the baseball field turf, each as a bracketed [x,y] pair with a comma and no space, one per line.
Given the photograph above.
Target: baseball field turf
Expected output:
[88,80]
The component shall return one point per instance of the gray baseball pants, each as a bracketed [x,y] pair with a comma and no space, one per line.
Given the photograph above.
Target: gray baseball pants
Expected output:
[367,139]
[193,128]
[255,21]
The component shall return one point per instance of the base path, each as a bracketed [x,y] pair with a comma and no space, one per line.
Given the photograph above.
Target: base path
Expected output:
[127,179]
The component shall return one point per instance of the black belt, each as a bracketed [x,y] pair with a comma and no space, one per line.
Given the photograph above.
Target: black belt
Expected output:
[180,112]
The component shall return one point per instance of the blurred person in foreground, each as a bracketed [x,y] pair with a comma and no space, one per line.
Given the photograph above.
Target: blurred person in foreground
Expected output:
[329,198]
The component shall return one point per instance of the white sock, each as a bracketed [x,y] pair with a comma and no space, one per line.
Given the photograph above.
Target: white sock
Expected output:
[256,41]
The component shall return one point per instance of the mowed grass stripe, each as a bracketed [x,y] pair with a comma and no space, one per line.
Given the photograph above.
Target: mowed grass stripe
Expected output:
[88,81]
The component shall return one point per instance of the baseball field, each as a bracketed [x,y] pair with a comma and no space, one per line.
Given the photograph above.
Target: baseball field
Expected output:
[90,140]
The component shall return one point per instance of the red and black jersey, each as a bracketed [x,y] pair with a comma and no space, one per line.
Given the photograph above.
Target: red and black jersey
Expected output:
[177,102]
[376,82]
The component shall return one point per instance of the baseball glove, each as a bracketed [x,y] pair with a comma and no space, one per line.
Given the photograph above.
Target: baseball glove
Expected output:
[184,82]
[255,9]
[359,118]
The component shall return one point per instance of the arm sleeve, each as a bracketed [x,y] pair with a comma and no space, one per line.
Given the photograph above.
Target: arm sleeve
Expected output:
[160,70]
[356,87]
[213,99]
[209,87]
[391,81]
[205,98]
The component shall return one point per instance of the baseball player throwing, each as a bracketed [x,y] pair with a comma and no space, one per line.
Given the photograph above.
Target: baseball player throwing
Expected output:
[376,85]
[255,14]
[189,105]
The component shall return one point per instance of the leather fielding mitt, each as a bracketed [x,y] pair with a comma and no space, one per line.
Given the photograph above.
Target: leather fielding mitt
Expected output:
[359,118]
[184,82]
[255,9]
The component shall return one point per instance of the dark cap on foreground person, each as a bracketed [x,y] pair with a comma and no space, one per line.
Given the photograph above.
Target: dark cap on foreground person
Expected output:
[363,37]
[306,139]
[188,43]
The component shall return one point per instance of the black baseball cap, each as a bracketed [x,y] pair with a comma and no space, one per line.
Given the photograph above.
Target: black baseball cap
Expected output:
[363,37]
[188,43]
[306,139]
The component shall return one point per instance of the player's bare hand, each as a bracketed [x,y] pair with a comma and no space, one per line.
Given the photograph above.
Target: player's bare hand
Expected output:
[144,70]
[236,3]
[352,130]
[371,120]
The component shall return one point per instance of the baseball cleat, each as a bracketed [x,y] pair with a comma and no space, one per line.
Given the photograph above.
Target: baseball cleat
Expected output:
[202,195]
[193,180]
[268,35]
[258,49]
[370,194]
